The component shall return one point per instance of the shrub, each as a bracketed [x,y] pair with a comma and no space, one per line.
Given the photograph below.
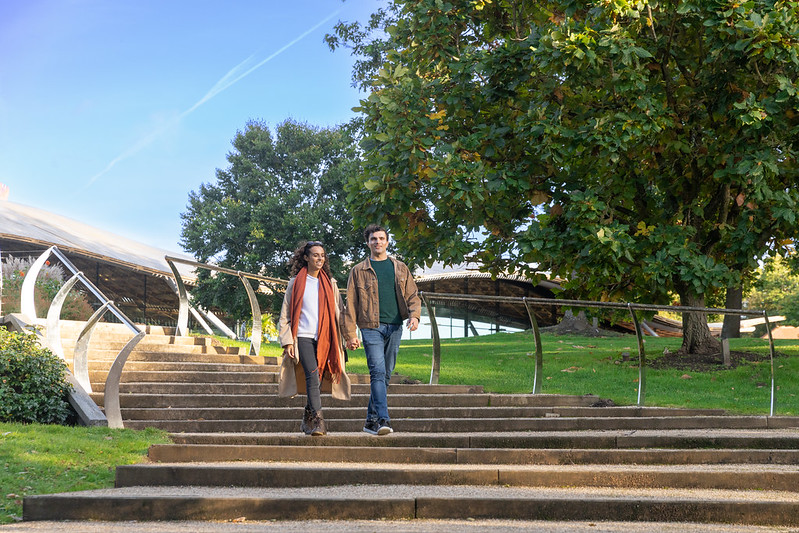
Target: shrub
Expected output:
[33,386]
[51,278]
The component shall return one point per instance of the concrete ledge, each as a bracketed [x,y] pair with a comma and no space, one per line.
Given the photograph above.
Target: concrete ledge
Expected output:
[463,425]
[206,506]
[184,453]
[176,453]
[89,414]
[611,440]
[291,477]
[755,513]
[312,474]
[630,479]
[571,456]
[67,507]
[204,399]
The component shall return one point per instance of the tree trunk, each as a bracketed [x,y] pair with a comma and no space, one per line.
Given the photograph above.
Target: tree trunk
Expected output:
[575,325]
[696,337]
[732,323]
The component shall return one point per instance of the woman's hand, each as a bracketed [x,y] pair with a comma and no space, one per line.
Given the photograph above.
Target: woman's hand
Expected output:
[288,351]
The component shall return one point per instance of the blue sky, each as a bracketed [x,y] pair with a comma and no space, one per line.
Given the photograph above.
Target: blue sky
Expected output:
[112,111]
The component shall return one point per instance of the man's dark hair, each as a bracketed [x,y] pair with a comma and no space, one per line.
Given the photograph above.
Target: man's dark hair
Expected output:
[372,228]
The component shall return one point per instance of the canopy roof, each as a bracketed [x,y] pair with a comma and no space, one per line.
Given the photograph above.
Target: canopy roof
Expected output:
[20,223]
[132,274]
[482,283]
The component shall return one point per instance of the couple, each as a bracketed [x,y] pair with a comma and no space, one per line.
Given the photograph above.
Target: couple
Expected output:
[314,326]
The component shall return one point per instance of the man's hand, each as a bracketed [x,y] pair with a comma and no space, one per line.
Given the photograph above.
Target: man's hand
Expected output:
[353,344]
[413,323]
[288,351]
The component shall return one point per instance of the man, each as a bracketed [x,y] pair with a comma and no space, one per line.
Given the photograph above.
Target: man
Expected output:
[381,294]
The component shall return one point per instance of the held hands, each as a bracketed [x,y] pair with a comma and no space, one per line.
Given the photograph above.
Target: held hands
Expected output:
[413,323]
[353,344]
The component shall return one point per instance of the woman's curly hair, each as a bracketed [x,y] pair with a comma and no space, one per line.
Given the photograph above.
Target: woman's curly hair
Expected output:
[298,262]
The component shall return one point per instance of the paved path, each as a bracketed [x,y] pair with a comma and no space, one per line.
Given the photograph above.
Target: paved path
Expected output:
[381,526]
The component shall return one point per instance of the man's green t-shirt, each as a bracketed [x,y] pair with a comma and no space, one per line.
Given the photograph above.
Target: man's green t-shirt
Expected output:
[386,291]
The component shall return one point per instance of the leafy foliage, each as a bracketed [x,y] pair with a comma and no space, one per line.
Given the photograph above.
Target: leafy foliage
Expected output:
[633,148]
[33,385]
[51,277]
[776,290]
[276,192]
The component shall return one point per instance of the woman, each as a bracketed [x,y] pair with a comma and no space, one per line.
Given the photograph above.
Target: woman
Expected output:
[310,335]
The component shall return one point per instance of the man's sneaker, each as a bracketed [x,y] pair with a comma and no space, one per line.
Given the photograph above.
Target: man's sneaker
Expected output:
[384,427]
[371,427]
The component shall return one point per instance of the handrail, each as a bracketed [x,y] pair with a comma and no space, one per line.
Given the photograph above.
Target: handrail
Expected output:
[80,356]
[183,297]
[218,268]
[632,308]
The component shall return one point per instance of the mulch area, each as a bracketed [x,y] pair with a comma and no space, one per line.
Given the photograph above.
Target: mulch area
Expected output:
[704,363]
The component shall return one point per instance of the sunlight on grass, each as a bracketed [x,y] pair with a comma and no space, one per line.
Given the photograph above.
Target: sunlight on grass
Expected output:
[46,459]
[606,367]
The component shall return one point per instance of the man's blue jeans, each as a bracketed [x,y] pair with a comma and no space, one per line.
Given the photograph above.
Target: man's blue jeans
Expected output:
[381,346]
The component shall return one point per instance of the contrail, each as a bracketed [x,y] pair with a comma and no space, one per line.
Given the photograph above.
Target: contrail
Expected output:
[234,75]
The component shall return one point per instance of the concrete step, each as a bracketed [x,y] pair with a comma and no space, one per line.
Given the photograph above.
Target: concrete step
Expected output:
[100,340]
[111,328]
[201,377]
[108,357]
[198,400]
[271,389]
[279,474]
[109,350]
[210,453]
[396,400]
[356,410]
[465,425]
[193,367]
[350,502]
[695,439]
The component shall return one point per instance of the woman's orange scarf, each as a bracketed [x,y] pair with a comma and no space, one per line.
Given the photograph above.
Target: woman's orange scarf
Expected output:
[327,354]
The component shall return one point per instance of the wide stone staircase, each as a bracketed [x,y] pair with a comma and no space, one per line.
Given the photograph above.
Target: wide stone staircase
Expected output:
[457,451]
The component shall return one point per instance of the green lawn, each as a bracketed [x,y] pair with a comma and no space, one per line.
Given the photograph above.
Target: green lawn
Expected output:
[45,459]
[504,363]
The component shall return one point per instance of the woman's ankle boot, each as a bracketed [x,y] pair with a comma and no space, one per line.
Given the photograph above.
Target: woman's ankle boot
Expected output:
[318,425]
[307,421]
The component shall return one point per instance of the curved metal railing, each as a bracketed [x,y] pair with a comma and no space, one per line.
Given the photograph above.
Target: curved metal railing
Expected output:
[185,307]
[632,308]
[80,359]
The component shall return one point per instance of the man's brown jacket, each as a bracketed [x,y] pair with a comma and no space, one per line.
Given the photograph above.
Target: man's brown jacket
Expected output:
[363,305]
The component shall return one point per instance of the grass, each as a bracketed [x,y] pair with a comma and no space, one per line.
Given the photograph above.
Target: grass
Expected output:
[504,363]
[46,459]
[268,349]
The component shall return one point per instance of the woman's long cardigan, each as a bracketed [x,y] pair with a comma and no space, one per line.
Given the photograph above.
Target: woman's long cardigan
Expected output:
[292,376]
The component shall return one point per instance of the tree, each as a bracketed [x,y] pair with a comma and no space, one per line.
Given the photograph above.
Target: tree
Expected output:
[637,149]
[776,290]
[276,192]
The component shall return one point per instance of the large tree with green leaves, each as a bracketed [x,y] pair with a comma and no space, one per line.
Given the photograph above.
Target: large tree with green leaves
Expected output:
[637,149]
[278,190]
